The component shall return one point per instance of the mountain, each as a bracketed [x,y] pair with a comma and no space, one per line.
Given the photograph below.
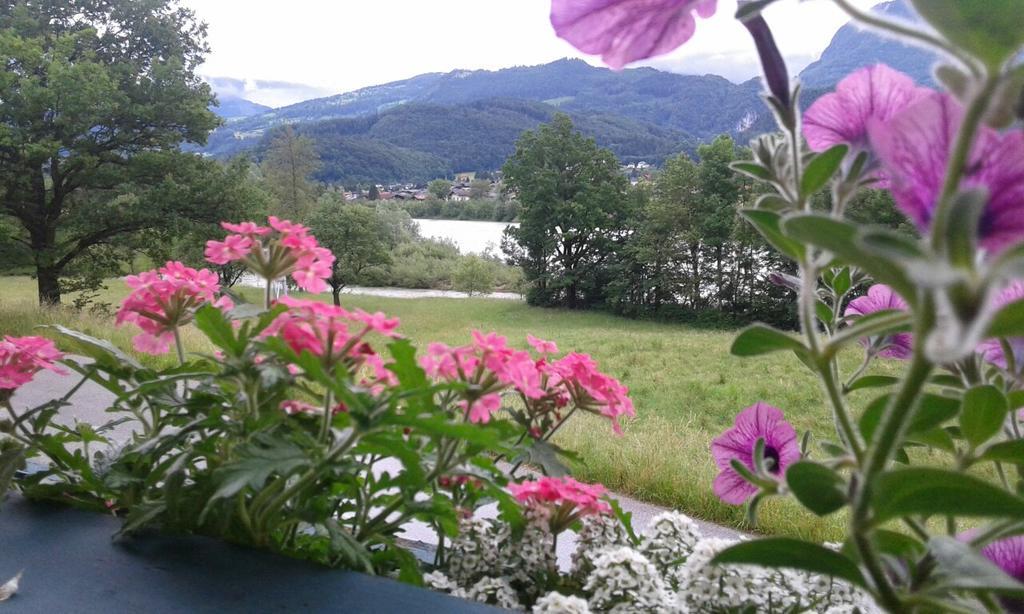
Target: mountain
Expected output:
[671,102]
[468,120]
[230,107]
[854,47]
[418,141]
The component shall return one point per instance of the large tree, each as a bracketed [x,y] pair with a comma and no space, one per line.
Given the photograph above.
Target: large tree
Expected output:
[359,237]
[96,97]
[287,165]
[574,211]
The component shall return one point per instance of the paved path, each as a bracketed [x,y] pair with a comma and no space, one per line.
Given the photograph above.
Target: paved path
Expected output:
[90,402]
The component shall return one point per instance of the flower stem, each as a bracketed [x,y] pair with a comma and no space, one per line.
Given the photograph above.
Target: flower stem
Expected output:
[267,293]
[325,425]
[178,345]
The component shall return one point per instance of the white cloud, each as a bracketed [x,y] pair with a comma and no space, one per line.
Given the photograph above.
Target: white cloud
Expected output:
[342,45]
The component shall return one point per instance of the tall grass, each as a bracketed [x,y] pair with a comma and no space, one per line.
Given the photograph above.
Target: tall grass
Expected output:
[686,386]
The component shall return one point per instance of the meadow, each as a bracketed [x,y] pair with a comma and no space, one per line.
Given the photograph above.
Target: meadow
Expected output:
[686,387]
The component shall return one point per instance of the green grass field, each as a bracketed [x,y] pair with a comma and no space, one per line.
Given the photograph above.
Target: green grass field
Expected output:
[685,384]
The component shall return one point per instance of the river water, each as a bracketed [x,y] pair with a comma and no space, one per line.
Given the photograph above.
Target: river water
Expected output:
[470,237]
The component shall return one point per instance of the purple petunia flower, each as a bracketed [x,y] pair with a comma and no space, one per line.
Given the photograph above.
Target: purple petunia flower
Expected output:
[881,297]
[624,31]
[1008,555]
[991,349]
[873,94]
[914,147]
[781,449]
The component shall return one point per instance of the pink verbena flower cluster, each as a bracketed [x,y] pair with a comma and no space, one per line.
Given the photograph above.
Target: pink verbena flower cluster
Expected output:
[565,498]
[911,133]
[335,335]
[165,299]
[489,366]
[283,248]
[22,357]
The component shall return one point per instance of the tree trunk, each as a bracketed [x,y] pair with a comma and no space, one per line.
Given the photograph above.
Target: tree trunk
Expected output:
[49,285]
[44,240]
[336,293]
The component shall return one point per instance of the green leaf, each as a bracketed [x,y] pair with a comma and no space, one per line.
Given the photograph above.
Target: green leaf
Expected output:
[960,567]
[984,411]
[990,30]
[877,324]
[99,349]
[843,239]
[816,487]
[1006,452]
[759,339]
[217,328]
[872,381]
[820,170]
[255,463]
[752,169]
[841,283]
[792,554]
[928,491]
[768,223]
[545,455]
[12,460]
[411,377]
[1008,321]
[932,411]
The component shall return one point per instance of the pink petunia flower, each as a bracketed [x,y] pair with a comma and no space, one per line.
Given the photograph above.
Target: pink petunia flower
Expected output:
[869,95]
[22,357]
[881,297]
[991,349]
[759,421]
[914,147]
[624,31]
[164,300]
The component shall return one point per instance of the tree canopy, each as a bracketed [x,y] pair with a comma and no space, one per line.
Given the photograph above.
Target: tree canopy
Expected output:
[97,97]
[287,165]
[574,209]
[359,237]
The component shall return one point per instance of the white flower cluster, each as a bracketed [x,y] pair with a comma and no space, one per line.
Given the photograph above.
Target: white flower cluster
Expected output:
[668,539]
[624,580]
[599,533]
[668,569]
[557,603]
[704,587]
[488,563]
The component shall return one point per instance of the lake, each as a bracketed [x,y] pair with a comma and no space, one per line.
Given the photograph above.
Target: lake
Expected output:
[470,237]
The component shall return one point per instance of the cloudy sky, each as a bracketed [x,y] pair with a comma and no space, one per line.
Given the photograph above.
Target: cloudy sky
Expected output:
[334,46]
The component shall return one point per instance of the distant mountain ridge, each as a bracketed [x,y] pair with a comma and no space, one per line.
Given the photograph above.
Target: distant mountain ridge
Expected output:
[417,142]
[853,47]
[468,120]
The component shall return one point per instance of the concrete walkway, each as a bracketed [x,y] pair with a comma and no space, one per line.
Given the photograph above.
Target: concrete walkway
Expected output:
[90,402]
